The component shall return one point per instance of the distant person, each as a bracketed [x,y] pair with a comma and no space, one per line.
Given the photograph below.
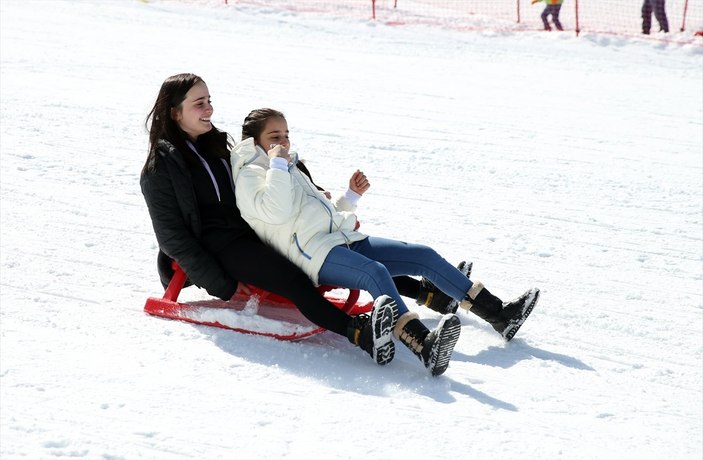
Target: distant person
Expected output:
[552,8]
[659,9]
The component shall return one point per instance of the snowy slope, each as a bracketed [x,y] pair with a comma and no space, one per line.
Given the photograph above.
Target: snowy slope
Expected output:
[572,164]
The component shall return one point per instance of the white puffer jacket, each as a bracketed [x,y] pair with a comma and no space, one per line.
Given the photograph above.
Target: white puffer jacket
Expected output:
[288,212]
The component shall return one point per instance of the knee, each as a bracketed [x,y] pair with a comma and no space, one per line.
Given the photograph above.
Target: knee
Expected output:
[376,269]
[427,253]
[376,273]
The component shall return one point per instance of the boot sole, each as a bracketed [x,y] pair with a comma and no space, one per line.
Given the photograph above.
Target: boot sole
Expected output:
[466,270]
[444,346]
[383,319]
[512,328]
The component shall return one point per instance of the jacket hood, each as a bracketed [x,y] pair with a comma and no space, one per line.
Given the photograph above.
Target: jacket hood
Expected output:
[247,152]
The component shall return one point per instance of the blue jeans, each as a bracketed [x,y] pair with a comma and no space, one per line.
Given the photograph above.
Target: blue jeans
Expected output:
[371,264]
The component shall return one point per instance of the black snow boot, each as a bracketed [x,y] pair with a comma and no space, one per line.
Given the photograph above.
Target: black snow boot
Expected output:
[434,348]
[434,299]
[505,317]
[374,333]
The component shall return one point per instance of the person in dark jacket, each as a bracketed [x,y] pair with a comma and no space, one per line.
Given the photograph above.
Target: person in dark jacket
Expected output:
[188,188]
[659,8]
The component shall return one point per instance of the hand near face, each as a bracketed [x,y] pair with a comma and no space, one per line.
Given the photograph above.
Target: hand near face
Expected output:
[359,183]
[277,150]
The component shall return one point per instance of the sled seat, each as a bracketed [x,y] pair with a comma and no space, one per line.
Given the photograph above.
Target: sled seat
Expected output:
[262,313]
[179,279]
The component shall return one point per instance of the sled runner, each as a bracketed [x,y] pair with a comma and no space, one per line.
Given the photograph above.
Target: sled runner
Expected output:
[261,313]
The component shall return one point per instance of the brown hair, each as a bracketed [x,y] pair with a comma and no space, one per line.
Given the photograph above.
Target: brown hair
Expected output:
[255,122]
[161,125]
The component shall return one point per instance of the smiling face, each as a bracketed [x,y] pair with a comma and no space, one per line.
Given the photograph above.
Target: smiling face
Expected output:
[275,132]
[193,114]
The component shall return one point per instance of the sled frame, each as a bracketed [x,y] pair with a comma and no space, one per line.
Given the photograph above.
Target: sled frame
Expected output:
[168,306]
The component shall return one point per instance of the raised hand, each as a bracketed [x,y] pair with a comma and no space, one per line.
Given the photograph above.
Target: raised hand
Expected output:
[359,183]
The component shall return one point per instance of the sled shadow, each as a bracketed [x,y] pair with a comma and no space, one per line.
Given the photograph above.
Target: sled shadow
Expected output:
[517,350]
[334,362]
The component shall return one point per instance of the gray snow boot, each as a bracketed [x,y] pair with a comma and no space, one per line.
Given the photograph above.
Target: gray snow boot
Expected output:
[505,317]
[434,348]
[374,333]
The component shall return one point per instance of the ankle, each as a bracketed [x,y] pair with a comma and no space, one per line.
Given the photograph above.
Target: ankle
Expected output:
[404,319]
[474,291]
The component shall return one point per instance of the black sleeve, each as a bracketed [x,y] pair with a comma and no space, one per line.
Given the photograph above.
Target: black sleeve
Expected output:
[176,239]
[304,169]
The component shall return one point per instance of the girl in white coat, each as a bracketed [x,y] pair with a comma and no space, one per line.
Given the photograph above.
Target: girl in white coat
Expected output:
[287,210]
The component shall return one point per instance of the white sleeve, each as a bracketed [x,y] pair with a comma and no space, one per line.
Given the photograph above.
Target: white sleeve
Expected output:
[264,195]
[352,197]
[278,163]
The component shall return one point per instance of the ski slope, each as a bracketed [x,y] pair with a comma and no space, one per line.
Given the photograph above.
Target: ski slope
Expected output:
[571,164]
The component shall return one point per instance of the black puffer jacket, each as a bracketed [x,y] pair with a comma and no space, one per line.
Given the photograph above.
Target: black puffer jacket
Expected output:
[167,187]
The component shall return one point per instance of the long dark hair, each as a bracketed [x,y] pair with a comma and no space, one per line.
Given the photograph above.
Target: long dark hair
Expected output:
[255,122]
[161,125]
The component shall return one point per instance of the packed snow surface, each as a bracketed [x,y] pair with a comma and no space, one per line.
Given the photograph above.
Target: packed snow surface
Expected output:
[574,164]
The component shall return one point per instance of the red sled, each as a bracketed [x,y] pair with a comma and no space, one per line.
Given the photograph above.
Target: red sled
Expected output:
[261,313]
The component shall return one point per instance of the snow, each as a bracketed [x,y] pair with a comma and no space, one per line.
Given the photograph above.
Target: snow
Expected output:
[570,163]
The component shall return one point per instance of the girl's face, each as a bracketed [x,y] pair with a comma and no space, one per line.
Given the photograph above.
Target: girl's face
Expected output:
[193,115]
[275,132]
